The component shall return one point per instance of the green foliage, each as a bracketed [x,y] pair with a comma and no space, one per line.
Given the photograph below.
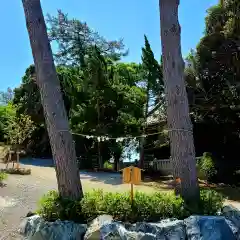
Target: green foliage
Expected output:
[215,19]
[211,202]
[3,176]
[146,207]
[101,99]
[75,40]
[7,114]
[217,66]
[19,129]
[152,72]
[52,207]
[206,167]
[108,165]
[212,74]
[157,206]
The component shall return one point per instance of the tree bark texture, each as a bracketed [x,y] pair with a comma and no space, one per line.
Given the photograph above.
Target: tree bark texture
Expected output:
[63,149]
[178,118]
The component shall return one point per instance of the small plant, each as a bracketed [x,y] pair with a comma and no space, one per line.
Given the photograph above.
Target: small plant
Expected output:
[108,165]
[19,129]
[3,176]
[206,167]
[145,207]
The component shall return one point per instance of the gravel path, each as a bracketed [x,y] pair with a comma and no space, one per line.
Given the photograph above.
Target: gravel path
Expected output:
[18,198]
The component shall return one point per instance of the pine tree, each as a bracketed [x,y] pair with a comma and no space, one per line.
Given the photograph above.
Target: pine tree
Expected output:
[152,74]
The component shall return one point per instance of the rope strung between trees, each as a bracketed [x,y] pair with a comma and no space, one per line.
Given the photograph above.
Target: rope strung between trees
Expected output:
[121,139]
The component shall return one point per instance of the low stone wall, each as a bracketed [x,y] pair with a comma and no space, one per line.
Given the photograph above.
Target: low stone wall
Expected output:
[226,226]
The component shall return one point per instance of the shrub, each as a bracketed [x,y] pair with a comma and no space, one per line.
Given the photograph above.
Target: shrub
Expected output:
[92,204]
[3,176]
[52,207]
[206,167]
[108,165]
[211,202]
[156,206]
[146,207]
[19,171]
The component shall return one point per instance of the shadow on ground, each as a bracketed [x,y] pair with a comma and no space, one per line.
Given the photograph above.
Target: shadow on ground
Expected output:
[2,185]
[104,177]
[229,192]
[38,162]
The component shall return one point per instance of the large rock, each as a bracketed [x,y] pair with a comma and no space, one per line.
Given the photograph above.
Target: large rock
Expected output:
[232,215]
[208,228]
[166,229]
[105,228]
[94,231]
[35,228]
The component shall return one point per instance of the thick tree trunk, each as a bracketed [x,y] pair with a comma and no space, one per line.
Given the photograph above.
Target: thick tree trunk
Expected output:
[63,150]
[179,122]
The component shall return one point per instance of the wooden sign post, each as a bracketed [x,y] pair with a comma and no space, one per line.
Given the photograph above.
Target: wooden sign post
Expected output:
[131,193]
[132,175]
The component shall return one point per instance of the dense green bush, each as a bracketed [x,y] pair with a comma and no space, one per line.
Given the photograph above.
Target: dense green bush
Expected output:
[206,167]
[146,207]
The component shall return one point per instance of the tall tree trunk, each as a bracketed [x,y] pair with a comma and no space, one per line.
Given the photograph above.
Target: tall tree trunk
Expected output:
[179,122]
[63,150]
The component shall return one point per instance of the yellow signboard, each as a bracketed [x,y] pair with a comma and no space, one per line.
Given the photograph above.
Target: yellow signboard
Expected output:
[136,175]
[132,175]
[127,175]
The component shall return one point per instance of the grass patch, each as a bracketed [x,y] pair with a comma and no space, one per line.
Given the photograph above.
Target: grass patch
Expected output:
[145,207]
[19,171]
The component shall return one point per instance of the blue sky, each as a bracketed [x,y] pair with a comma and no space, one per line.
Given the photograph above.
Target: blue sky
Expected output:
[128,19]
